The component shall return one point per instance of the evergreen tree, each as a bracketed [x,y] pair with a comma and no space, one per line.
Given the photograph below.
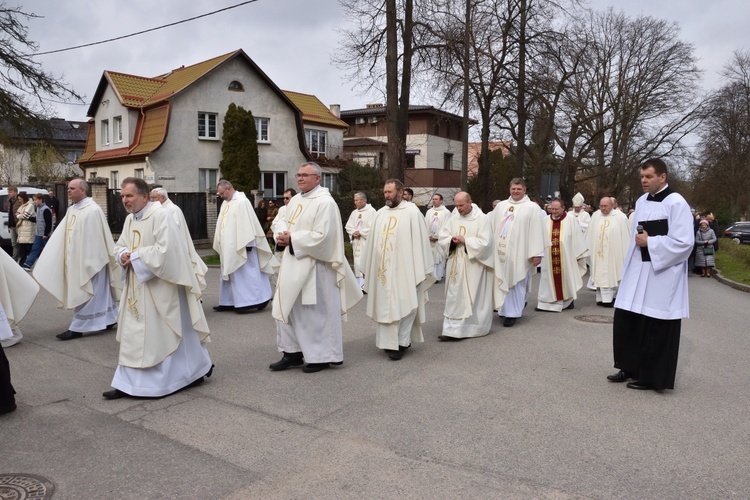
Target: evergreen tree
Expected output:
[240,163]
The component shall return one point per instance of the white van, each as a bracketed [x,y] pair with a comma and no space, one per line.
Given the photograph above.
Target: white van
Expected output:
[4,233]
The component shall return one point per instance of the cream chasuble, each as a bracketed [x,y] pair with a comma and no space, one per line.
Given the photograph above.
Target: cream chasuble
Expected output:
[518,235]
[310,219]
[469,275]
[237,228]
[359,220]
[278,224]
[435,218]
[78,249]
[149,327]
[18,290]
[564,260]
[607,239]
[199,266]
[398,265]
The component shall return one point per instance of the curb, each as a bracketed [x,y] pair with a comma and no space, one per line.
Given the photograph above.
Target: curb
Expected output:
[730,283]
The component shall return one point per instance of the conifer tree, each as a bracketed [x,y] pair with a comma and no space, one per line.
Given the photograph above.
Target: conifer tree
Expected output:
[240,163]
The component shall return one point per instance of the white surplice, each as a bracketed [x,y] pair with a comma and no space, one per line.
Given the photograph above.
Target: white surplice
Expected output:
[607,240]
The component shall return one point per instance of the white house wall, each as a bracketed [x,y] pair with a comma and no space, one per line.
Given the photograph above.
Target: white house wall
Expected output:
[109,108]
[178,160]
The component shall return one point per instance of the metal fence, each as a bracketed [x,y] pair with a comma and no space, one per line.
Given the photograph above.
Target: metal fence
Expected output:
[193,206]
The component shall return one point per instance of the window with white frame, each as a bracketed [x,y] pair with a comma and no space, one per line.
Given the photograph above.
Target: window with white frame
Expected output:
[316,141]
[207,125]
[139,173]
[105,133]
[273,184]
[114,179]
[207,178]
[72,155]
[331,181]
[261,124]
[117,128]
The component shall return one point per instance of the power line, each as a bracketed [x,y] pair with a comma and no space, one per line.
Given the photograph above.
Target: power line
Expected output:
[144,31]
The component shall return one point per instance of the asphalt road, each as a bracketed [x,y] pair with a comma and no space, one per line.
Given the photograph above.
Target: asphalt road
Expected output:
[525,412]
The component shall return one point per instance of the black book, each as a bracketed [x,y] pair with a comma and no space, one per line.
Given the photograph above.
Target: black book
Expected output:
[659,227]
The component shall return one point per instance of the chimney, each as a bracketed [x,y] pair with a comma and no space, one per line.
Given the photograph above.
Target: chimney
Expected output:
[336,110]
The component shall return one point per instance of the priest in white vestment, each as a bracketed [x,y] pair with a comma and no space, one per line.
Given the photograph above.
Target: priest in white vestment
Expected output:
[467,238]
[398,272]
[579,213]
[78,266]
[607,239]
[653,296]
[162,196]
[246,258]
[17,293]
[358,228]
[161,327]
[519,246]
[316,285]
[435,218]
[564,261]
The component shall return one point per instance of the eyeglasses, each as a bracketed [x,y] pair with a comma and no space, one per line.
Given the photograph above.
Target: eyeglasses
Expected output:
[287,198]
[302,176]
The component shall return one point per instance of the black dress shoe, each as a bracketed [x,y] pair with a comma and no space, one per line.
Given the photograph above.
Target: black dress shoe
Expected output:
[607,304]
[620,376]
[114,394]
[508,322]
[7,409]
[262,306]
[69,335]
[109,327]
[244,309]
[637,385]
[446,338]
[572,305]
[196,383]
[394,355]
[289,360]
[315,367]
[223,308]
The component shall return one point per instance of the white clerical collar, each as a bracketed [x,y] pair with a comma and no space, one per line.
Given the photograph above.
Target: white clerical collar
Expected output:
[662,189]
[81,203]
[304,195]
[139,214]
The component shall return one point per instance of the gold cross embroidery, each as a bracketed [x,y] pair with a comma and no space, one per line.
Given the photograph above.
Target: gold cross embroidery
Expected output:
[132,300]
[388,229]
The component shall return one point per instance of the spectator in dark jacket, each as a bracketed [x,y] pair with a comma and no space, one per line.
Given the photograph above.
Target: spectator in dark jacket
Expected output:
[43,221]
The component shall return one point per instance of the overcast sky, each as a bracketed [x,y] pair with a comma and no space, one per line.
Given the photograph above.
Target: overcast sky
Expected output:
[291,40]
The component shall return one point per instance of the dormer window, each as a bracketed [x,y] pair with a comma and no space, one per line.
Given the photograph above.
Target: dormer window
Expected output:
[236,86]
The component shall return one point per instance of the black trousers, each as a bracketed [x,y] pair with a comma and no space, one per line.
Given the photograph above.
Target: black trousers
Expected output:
[646,347]
[7,398]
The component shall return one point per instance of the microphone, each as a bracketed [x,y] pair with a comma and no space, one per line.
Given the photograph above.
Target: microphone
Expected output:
[639,228]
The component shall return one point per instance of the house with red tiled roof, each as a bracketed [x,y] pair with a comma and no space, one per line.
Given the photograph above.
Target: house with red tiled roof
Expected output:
[324,134]
[167,129]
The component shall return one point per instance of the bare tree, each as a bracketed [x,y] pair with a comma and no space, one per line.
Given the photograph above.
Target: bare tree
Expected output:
[622,89]
[722,176]
[384,44]
[24,86]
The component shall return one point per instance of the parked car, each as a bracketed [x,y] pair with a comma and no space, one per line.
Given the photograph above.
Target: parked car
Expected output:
[739,232]
[4,233]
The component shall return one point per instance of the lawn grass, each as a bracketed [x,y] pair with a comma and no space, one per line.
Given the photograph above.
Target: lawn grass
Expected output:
[211,260]
[733,261]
